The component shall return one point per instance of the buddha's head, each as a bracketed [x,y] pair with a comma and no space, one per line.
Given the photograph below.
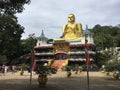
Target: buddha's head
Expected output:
[71,18]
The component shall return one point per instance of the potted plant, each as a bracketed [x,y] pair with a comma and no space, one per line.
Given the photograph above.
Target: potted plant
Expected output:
[116,75]
[22,68]
[76,68]
[21,72]
[68,69]
[42,79]
[81,69]
[53,70]
[42,75]
[107,70]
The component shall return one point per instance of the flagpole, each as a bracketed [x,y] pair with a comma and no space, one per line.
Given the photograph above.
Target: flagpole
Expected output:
[30,70]
[31,66]
[86,51]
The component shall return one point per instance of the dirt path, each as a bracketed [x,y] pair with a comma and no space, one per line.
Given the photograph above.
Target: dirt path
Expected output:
[59,81]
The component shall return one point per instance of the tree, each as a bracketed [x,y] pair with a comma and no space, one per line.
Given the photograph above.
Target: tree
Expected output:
[106,36]
[100,59]
[27,44]
[12,7]
[10,30]
[10,34]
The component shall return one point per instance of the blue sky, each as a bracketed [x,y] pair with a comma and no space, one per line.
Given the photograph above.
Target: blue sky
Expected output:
[51,15]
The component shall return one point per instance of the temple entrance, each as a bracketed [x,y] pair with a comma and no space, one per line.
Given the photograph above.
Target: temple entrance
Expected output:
[61,55]
[60,50]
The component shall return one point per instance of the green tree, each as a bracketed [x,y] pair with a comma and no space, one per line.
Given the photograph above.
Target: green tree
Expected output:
[10,34]
[10,30]
[12,7]
[106,36]
[100,59]
[27,44]
[24,48]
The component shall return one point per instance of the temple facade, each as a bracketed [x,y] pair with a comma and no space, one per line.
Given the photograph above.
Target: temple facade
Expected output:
[60,52]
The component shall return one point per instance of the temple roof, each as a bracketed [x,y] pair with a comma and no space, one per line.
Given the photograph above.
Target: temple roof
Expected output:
[42,36]
[87,31]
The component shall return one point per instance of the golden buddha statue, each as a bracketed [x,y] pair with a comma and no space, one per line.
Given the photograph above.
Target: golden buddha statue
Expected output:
[72,30]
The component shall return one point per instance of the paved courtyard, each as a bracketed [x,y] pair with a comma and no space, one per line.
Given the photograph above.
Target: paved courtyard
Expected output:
[59,81]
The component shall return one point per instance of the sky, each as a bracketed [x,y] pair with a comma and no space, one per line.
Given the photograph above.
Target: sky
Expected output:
[51,15]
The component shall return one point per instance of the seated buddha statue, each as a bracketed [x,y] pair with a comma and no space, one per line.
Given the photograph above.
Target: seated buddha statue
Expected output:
[72,30]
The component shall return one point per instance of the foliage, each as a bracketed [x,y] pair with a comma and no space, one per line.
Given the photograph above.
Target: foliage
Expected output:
[22,67]
[10,30]
[69,74]
[12,6]
[111,66]
[100,59]
[27,45]
[3,59]
[69,68]
[106,36]
[42,80]
[116,75]
[41,69]
[10,34]
[49,41]
[103,70]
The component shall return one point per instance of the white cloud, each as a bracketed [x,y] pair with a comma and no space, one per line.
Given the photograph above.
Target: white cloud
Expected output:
[50,15]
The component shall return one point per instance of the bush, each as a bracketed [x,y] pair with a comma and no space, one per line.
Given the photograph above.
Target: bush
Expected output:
[111,66]
[41,69]
[69,68]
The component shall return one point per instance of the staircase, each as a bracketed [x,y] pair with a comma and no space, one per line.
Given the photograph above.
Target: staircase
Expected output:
[58,64]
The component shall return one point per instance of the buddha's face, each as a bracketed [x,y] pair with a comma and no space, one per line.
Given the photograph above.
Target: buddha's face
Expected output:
[71,18]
